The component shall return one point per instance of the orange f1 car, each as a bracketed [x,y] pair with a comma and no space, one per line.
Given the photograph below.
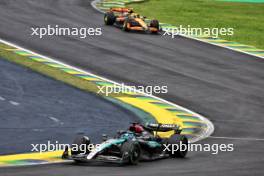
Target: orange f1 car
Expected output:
[127,20]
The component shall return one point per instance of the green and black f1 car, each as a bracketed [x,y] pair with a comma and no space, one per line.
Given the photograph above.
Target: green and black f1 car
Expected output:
[139,142]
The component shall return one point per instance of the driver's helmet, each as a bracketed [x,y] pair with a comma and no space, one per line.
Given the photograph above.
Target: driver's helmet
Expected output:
[130,11]
[135,15]
[136,128]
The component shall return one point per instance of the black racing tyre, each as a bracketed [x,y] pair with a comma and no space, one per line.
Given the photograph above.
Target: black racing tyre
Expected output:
[177,140]
[125,26]
[109,18]
[78,145]
[130,152]
[155,24]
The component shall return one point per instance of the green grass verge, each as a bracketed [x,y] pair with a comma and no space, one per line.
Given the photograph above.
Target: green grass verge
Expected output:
[247,19]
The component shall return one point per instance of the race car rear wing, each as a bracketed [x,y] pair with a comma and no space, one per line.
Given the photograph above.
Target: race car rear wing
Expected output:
[121,10]
[158,127]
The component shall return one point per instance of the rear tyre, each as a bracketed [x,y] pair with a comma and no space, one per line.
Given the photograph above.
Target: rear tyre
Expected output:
[154,24]
[178,140]
[109,18]
[126,26]
[130,152]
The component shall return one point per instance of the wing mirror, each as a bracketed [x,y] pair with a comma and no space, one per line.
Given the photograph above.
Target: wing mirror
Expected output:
[104,137]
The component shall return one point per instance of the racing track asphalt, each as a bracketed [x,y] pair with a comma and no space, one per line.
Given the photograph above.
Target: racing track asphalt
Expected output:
[223,85]
[35,109]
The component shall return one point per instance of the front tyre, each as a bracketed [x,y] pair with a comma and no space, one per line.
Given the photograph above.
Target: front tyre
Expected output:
[130,152]
[109,18]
